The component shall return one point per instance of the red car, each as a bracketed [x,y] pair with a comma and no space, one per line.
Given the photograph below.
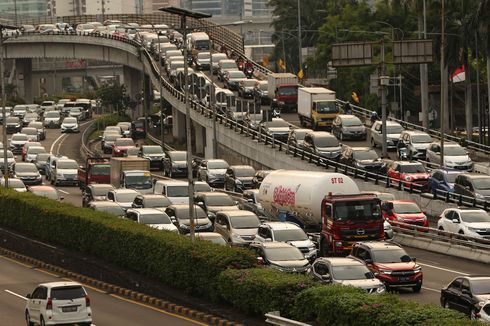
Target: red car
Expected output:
[121,145]
[404,211]
[390,264]
[409,173]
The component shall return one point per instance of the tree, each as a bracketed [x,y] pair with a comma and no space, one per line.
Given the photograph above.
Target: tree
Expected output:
[483,18]
[114,96]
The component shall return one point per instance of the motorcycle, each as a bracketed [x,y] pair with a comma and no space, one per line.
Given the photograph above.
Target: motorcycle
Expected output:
[249,72]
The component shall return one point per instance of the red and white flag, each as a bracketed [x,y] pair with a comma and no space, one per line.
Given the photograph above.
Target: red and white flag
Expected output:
[458,75]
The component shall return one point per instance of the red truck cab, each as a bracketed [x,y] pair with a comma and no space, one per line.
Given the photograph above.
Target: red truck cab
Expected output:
[286,98]
[96,170]
[347,219]
[404,211]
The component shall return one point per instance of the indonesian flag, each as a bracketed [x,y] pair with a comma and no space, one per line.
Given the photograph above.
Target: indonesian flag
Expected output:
[458,75]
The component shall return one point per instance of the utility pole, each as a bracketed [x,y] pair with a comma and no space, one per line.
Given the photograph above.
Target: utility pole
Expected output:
[300,54]
[443,76]
[383,80]
[424,79]
[212,103]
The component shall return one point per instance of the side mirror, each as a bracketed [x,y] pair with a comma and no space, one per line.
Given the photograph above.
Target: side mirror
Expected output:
[455,220]
[368,261]
[414,259]
[200,203]
[327,278]
[466,291]
[28,295]
[250,200]
[328,210]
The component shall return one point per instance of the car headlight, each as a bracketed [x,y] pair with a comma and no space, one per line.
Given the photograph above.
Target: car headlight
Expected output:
[311,247]
[408,178]
[417,269]
[211,215]
[237,236]
[384,271]
[400,219]
[479,196]
[185,226]
[280,102]
[390,141]
[381,289]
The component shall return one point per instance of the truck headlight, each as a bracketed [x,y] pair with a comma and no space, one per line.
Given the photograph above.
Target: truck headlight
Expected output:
[384,271]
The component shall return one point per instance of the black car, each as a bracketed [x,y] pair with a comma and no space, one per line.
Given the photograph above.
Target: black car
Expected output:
[154,154]
[258,177]
[175,164]
[277,128]
[13,125]
[261,92]
[466,294]
[363,158]
[321,143]
[138,129]
[246,87]
[239,177]
[180,215]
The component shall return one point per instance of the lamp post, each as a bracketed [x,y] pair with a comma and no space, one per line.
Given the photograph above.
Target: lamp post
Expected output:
[300,53]
[4,99]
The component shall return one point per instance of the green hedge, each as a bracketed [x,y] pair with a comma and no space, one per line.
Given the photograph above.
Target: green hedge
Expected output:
[111,120]
[162,255]
[341,305]
[261,290]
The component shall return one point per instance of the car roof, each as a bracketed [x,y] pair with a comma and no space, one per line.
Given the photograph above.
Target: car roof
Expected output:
[60,284]
[340,261]
[124,191]
[401,201]
[320,133]
[477,176]
[238,213]
[281,225]
[104,203]
[240,167]
[467,209]
[347,116]
[415,132]
[34,188]
[148,196]
[100,185]
[360,148]
[143,211]
[406,163]
[275,244]
[379,244]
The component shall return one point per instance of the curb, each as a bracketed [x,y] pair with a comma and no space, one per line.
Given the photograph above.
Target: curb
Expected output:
[123,292]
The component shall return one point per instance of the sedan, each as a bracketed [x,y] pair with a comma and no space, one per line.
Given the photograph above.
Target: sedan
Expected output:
[70,124]
[28,173]
[232,79]
[281,256]
[466,294]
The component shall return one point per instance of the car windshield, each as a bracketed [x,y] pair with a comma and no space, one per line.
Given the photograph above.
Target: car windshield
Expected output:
[177,191]
[9,154]
[454,151]
[481,286]
[277,123]
[19,137]
[124,142]
[29,131]
[70,120]
[67,165]
[176,64]
[264,86]
[112,137]
[406,208]
[351,272]
[42,157]
[217,239]
[287,91]
[218,56]
[351,122]
[101,190]
[157,202]
[52,114]
[101,169]
[155,219]
[36,150]
[224,200]
[326,141]
[283,254]
[178,156]
[475,217]
[67,293]
[244,172]
[217,165]
[249,83]
[244,222]
[236,74]
[356,210]
[139,181]
[327,107]
[397,255]
[115,210]
[394,129]
[203,56]
[25,167]
[152,150]
[228,65]
[412,168]
[126,196]
[290,235]
[422,139]
[51,194]
[481,183]
[365,155]
[300,135]
[13,120]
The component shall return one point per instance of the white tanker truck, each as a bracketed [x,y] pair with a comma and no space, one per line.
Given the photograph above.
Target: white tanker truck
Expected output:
[329,204]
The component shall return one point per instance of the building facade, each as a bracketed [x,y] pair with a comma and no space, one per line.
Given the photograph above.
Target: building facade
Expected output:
[24,7]
[230,8]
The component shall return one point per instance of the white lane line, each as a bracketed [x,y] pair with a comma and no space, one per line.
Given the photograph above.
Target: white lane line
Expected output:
[443,269]
[63,191]
[61,142]
[15,294]
[430,289]
[54,143]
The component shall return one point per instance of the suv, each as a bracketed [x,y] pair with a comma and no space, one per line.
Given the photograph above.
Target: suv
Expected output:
[175,164]
[238,227]
[413,144]
[346,126]
[65,171]
[214,202]
[58,303]
[52,119]
[290,233]
[442,180]
[363,158]
[346,271]
[297,136]
[138,129]
[473,222]
[404,211]
[49,169]
[281,256]
[95,192]
[151,217]
[239,177]
[466,294]
[154,154]
[390,263]
[409,174]
[455,156]
[473,185]
[322,143]
[212,171]
[394,130]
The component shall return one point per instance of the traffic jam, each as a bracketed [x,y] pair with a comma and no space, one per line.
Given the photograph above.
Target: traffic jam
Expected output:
[317,223]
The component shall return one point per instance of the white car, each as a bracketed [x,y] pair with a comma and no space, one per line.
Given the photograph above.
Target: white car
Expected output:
[485,312]
[123,197]
[472,222]
[70,124]
[52,119]
[32,152]
[152,217]
[65,172]
[58,303]
[15,184]
[394,129]
[455,156]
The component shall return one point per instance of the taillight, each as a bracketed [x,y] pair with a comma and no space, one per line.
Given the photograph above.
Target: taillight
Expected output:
[139,129]
[49,304]
[87,301]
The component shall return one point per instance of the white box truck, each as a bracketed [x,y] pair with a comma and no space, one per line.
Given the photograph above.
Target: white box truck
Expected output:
[283,91]
[317,107]
[132,173]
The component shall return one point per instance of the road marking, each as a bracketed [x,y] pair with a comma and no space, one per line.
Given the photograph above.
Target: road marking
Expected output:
[430,289]
[444,269]
[17,262]
[54,143]
[63,191]
[15,294]
[61,142]
[158,310]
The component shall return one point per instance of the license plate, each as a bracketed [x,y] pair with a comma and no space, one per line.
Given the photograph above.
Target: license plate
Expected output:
[69,309]
[404,279]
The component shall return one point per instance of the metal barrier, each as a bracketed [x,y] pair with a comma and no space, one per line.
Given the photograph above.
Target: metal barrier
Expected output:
[274,318]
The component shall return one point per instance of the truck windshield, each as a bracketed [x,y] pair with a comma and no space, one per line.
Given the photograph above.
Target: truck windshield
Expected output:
[356,210]
[349,272]
[288,91]
[101,169]
[138,181]
[327,107]
[178,191]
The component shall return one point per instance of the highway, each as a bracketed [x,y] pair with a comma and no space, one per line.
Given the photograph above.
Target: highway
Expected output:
[18,279]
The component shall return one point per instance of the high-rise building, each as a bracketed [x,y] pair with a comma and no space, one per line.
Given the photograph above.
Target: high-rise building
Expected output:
[152,6]
[228,8]
[94,7]
[24,7]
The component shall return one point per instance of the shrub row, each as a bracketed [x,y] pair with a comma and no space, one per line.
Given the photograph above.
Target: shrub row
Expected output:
[209,270]
[111,120]
[165,256]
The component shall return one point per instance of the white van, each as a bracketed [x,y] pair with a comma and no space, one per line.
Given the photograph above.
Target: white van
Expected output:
[199,41]
[176,191]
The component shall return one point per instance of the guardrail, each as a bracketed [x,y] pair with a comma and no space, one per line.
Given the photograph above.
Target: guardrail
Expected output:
[274,318]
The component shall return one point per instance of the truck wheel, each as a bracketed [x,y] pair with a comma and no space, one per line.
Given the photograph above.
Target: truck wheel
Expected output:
[314,125]
[302,122]
[417,288]
[324,250]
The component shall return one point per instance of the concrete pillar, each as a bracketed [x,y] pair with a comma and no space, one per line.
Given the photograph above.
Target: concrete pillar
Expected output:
[208,150]
[178,130]
[200,137]
[24,79]
[134,86]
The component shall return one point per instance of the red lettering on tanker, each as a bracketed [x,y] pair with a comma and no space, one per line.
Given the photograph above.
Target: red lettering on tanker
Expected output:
[337,180]
[284,196]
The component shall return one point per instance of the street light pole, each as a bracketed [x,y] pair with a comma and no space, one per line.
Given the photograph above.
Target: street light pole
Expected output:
[212,102]
[443,76]
[300,54]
